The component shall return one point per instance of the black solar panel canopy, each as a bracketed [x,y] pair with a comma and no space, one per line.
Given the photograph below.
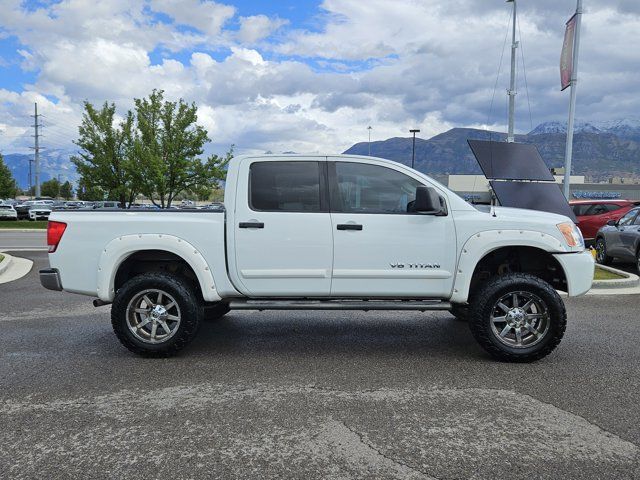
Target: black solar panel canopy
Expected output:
[545,197]
[510,161]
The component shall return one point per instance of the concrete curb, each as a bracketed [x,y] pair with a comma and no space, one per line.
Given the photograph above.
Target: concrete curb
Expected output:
[17,268]
[629,280]
[6,261]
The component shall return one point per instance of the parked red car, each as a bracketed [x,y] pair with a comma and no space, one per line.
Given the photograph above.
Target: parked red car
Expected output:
[593,214]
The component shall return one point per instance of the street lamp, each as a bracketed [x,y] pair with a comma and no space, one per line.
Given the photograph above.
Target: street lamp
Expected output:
[369,128]
[413,151]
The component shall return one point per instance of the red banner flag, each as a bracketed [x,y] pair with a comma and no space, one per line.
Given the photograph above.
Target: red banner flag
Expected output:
[566,58]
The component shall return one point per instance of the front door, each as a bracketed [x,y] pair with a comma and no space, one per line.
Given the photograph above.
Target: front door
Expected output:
[380,248]
[616,239]
[282,232]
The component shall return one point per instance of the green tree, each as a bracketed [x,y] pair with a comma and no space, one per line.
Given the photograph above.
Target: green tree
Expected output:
[66,190]
[8,186]
[89,193]
[50,188]
[105,162]
[168,145]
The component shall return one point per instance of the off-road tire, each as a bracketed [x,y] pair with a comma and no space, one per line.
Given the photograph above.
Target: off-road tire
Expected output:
[187,298]
[485,300]
[602,258]
[461,312]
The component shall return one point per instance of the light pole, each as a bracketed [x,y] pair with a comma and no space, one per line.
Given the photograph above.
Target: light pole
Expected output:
[369,128]
[413,150]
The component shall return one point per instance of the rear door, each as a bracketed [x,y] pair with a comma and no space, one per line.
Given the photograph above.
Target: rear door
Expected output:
[380,249]
[282,231]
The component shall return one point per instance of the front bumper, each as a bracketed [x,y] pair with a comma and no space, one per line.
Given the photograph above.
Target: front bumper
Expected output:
[50,279]
[578,268]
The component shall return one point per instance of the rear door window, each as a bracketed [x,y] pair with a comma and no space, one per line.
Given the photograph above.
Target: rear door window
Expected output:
[612,207]
[597,209]
[285,186]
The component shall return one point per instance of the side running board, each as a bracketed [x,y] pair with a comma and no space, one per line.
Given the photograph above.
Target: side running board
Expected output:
[344,304]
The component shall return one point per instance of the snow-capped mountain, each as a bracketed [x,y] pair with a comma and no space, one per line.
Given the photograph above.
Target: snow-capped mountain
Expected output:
[53,164]
[624,128]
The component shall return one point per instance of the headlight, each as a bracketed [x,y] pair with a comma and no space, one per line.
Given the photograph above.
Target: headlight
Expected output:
[571,234]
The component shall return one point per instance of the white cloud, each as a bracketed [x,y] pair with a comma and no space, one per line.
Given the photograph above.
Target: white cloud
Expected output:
[206,16]
[392,65]
[258,27]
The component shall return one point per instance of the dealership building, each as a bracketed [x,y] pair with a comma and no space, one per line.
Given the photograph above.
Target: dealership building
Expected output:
[475,188]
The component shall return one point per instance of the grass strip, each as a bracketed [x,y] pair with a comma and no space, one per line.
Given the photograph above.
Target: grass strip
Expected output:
[20,224]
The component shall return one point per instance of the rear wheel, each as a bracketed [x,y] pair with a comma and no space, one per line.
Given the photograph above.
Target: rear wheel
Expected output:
[518,318]
[156,314]
[601,252]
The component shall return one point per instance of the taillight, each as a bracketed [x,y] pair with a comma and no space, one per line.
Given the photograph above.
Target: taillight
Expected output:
[54,234]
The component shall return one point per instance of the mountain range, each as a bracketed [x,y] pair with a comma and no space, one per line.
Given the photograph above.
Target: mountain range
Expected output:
[53,164]
[601,150]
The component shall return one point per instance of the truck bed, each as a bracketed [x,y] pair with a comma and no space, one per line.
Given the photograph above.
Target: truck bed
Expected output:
[92,234]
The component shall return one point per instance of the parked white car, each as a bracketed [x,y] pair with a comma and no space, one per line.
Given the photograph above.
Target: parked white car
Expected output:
[324,232]
[7,212]
[39,212]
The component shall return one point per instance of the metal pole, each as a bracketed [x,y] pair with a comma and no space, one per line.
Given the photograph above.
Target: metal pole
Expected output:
[37,152]
[369,128]
[512,85]
[413,151]
[572,102]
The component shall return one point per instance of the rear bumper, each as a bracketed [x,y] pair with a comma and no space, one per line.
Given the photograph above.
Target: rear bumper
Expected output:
[50,279]
[578,268]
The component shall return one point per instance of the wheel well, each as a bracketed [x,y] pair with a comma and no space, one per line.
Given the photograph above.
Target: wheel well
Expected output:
[531,260]
[155,261]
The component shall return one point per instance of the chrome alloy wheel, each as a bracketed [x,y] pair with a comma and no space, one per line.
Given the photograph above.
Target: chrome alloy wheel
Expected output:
[153,316]
[520,319]
[600,251]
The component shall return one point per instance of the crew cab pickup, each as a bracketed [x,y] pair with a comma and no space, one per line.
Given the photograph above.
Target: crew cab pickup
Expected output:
[324,233]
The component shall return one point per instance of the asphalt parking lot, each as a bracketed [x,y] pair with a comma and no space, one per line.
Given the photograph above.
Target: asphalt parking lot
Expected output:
[313,395]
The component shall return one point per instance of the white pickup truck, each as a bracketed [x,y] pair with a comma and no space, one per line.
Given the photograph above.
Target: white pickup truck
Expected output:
[324,233]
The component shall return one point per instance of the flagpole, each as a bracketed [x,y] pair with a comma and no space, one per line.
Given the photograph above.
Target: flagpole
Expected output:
[572,102]
[512,84]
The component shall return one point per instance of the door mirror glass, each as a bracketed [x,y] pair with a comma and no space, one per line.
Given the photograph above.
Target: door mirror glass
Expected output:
[427,201]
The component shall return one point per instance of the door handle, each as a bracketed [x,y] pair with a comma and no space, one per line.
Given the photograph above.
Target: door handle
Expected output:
[251,225]
[349,226]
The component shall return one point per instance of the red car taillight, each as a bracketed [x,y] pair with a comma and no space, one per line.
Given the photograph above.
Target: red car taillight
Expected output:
[54,234]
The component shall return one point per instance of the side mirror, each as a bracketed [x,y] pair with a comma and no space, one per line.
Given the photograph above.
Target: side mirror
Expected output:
[427,201]
[612,223]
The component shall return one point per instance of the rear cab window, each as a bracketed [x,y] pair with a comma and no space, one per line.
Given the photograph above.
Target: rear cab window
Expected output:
[285,186]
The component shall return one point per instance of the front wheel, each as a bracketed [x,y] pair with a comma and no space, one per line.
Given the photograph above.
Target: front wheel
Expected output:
[518,318]
[601,252]
[156,314]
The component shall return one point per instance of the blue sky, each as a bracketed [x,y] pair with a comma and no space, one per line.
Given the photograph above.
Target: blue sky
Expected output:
[307,76]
